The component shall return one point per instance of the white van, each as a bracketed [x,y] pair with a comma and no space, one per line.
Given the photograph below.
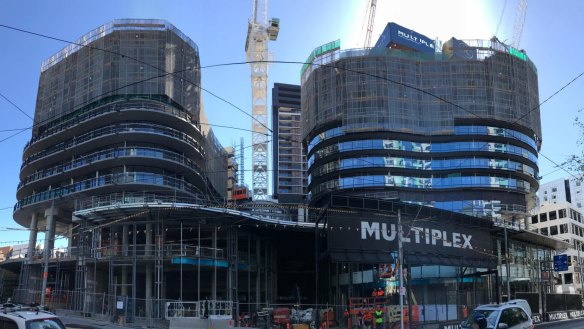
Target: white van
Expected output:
[521,302]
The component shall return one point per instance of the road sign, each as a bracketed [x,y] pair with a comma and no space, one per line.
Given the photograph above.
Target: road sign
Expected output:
[560,263]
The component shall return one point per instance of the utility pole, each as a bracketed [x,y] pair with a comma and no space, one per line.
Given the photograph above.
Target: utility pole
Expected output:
[401,272]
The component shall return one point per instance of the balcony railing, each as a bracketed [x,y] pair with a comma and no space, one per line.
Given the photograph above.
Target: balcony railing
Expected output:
[115,129]
[97,108]
[112,153]
[112,179]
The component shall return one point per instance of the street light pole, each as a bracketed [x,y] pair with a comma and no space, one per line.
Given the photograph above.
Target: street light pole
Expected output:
[579,244]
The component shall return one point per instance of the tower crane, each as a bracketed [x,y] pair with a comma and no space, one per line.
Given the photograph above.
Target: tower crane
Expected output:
[520,12]
[519,21]
[259,31]
[370,22]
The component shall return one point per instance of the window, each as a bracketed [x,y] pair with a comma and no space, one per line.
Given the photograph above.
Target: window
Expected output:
[45,324]
[553,230]
[534,219]
[543,217]
[563,228]
[513,316]
[562,213]
[544,231]
[8,324]
[553,215]
[554,189]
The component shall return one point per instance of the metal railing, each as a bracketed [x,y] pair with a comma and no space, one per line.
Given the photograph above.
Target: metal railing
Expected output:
[130,250]
[169,250]
[17,254]
[135,197]
[212,309]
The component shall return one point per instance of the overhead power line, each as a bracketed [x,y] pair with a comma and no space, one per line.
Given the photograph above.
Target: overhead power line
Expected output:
[134,59]
[285,62]
[16,106]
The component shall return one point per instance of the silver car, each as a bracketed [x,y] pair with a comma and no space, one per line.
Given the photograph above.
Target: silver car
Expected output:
[503,316]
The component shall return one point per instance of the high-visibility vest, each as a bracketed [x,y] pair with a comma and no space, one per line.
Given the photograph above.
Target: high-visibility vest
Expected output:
[379,316]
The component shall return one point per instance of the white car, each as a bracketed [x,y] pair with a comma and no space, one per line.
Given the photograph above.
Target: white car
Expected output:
[499,316]
[20,317]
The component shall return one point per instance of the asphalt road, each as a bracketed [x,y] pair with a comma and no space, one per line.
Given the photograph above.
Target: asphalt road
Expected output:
[568,324]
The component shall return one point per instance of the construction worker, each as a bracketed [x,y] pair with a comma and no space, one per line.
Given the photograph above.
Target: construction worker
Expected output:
[380,292]
[367,320]
[379,318]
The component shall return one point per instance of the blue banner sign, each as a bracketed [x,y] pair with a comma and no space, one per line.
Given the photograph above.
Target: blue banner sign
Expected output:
[560,263]
[401,36]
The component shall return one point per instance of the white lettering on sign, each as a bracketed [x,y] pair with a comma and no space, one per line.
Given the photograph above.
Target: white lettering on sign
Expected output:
[558,316]
[451,326]
[414,39]
[421,235]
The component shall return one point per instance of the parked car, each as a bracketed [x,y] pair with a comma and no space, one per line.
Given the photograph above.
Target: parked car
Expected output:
[21,317]
[521,302]
[499,316]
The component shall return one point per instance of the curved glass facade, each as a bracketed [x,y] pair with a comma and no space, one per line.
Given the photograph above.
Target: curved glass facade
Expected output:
[423,164]
[108,127]
[436,129]
[448,147]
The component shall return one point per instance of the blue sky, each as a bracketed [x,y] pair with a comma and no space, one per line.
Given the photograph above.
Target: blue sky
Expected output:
[552,37]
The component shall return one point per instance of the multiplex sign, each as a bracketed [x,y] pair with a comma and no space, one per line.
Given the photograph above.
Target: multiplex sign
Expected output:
[564,315]
[400,35]
[416,234]
[438,237]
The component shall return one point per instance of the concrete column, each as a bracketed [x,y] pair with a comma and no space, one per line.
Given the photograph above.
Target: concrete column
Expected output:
[32,236]
[125,239]
[50,230]
[49,243]
[148,247]
[148,291]
[69,238]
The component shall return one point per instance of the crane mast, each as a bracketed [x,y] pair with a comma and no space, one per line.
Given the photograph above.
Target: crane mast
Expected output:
[519,22]
[370,22]
[259,31]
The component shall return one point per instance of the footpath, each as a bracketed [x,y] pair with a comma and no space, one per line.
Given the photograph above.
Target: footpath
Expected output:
[79,322]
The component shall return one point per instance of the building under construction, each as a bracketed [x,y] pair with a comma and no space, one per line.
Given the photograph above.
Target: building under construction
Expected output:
[123,166]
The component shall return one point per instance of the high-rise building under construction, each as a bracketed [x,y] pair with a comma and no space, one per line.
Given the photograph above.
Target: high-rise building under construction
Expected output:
[456,128]
[123,166]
